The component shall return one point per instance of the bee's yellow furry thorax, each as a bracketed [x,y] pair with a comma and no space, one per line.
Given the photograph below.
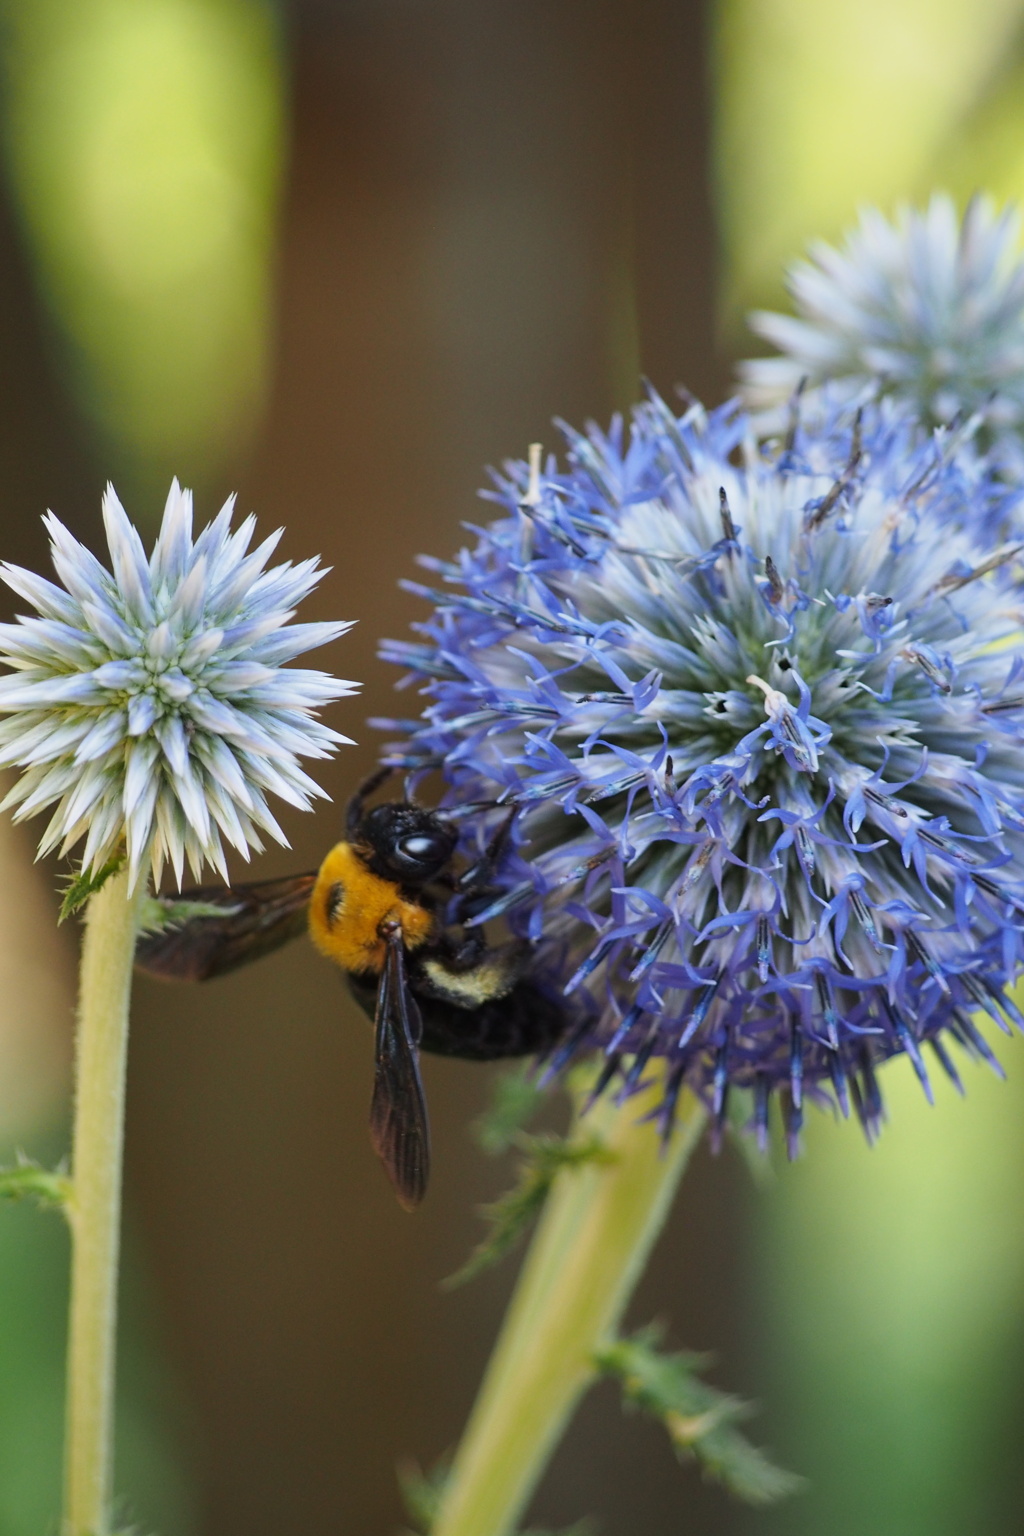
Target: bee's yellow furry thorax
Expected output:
[348,905]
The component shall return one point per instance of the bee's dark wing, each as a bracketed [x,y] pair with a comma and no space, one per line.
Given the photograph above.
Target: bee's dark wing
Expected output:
[240,923]
[398,1113]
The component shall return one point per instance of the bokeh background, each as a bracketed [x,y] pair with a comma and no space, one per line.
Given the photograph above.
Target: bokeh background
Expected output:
[339,255]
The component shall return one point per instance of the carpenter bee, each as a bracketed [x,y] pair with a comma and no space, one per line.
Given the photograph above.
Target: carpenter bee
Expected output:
[387,908]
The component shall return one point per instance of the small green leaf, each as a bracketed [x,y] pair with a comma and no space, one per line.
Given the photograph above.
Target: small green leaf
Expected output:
[510,1215]
[700,1420]
[516,1100]
[86,883]
[29,1180]
[422,1492]
[161,912]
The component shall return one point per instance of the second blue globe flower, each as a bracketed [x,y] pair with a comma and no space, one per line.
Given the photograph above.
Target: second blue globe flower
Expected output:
[759,719]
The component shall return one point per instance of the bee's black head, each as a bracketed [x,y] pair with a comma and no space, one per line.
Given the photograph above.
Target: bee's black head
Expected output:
[399,841]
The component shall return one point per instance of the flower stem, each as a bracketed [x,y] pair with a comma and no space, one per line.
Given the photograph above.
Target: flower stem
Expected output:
[94,1210]
[598,1227]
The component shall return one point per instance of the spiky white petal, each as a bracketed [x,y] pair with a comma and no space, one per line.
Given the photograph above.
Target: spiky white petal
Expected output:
[148,705]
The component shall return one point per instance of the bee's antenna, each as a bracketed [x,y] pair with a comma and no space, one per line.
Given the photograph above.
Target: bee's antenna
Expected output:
[357,804]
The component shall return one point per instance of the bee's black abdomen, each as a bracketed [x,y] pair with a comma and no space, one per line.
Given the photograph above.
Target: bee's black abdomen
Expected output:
[525,1021]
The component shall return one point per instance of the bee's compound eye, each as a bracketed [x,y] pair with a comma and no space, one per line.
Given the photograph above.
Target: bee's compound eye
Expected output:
[419,846]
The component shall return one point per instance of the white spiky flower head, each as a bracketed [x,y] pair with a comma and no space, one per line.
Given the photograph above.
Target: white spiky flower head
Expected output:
[150,703]
[926,307]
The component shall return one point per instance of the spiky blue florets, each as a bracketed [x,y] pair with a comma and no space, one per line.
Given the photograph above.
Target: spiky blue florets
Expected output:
[763,722]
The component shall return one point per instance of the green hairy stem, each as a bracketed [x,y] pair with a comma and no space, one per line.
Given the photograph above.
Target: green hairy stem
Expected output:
[592,1243]
[94,1208]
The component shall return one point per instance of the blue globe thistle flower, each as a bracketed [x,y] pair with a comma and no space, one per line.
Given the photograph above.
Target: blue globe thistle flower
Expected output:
[928,308]
[759,720]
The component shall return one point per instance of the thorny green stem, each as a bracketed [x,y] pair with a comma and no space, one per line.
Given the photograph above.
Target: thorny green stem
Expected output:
[94,1209]
[592,1243]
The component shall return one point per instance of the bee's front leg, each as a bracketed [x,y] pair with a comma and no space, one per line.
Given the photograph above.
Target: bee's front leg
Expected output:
[475,888]
[463,948]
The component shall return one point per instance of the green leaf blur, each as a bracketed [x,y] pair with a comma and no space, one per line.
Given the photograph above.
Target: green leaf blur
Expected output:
[144,143]
[883,1284]
[508,1217]
[700,1421]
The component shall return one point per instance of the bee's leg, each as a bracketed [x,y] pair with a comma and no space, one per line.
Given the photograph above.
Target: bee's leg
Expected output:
[357,805]
[475,888]
[463,948]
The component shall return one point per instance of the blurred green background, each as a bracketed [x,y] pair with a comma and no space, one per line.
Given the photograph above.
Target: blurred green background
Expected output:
[340,254]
